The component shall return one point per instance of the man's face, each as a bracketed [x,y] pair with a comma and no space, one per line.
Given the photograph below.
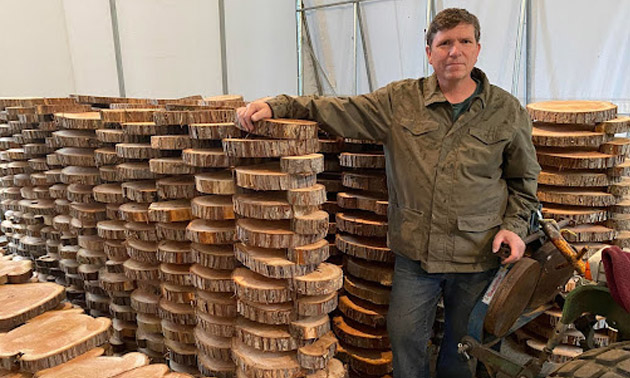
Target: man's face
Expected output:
[454,52]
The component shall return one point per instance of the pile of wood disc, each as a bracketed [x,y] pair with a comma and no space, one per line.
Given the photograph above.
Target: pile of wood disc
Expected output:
[286,290]
[585,172]
[368,263]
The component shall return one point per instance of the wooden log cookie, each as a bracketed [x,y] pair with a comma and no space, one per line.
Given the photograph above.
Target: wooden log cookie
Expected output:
[576,112]
[170,211]
[253,287]
[79,121]
[206,157]
[366,290]
[270,177]
[204,231]
[374,182]
[554,135]
[213,131]
[374,249]
[177,187]
[268,364]
[15,271]
[94,364]
[23,302]
[304,164]
[362,311]
[213,207]
[362,160]
[50,339]
[267,148]
[359,335]
[220,182]
[272,263]
[362,224]
[564,159]
[272,234]
[621,124]
[284,128]
[575,197]
[580,215]
[577,178]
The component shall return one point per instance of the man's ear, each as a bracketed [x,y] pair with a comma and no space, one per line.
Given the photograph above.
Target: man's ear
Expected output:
[428,51]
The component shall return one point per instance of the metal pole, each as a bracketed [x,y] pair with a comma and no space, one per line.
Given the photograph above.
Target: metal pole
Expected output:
[117,50]
[528,55]
[355,47]
[299,15]
[368,68]
[314,61]
[333,4]
[516,73]
[224,65]
[429,19]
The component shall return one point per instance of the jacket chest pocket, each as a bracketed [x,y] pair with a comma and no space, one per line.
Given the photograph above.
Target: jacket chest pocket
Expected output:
[483,150]
[422,134]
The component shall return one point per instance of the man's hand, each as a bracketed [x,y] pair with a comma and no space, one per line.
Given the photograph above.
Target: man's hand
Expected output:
[517,245]
[254,111]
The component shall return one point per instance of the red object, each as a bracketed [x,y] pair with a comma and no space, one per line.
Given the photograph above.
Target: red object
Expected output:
[617,266]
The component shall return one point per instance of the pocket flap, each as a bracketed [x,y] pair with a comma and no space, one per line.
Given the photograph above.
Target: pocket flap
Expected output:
[490,136]
[417,127]
[478,223]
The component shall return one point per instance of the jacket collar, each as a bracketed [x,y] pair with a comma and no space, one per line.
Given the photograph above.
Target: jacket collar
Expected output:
[433,94]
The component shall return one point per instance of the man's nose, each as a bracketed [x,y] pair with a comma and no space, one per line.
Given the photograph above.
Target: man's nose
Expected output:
[455,49]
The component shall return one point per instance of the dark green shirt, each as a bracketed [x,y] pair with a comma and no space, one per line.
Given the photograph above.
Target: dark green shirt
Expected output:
[462,107]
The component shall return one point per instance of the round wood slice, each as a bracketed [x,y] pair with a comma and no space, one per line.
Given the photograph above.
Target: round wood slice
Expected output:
[142,251]
[219,256]
[134,212]
[272,234]
[136,270]
[108,173]
[50,339]
[111,229]
[144,128]
[216,304]
[308,196]
[210,232]
[620,170]
[220,182]
[93,364]
[375,182]
[110,136]
[170,211]
[575,197]
[370,271]
[621,207]
[206,157]
[359,335]
[265,337]
[512,296]
[212,207]
[106,156]
[270,177]
[137,151]
[271,263]
[621,124]
[555,135]
[622,240]
[177,187]
[80,175]
[618,221]
[374,249]
[266,205]
[144,301]
[213,346]
[212,367]
[368,362]
[184,354]
[171,142]
[149,371]
[176,274]
[366,290]
[174,252]
[309,254]
[177,293]
[362,160]
[108,193]
[179,313]
[362,224]
[135,171]
[171,166]
[115,282]
[621,188]
[267,364]
[304,164]
[16,271]
[172,231]
[314,223]
[616,146]
[215,131]
[326,279]
[574,159]
[80,121]
[76,138]
[186,117]
[181,333]
[310,328]
[83,157]
[589,233]
[267,148]
[140,191]
[25,301]
[285,128]
[216,325]
[573,178]
[213,280]
[253,287]
[316,305]
[580,112]
[127,115]
[580,215]
[362,311]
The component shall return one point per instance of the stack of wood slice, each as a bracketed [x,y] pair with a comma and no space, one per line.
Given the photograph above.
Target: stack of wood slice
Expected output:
[75,141]
[286,290]
[585,172]
[211,234]
[368,263]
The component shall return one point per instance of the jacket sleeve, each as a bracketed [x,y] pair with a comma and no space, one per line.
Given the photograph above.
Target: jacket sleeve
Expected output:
[365,116]
[520,172]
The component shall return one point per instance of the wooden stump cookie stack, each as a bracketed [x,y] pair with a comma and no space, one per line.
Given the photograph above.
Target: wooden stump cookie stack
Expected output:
[584,169]
[286,290]
[368,263]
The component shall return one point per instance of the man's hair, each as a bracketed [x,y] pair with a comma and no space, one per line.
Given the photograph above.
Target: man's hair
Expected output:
[450,18]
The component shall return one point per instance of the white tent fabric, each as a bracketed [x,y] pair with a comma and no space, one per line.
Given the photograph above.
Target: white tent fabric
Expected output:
[170,48]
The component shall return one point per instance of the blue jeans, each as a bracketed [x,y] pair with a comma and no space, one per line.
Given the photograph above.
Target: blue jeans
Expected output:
[413,302]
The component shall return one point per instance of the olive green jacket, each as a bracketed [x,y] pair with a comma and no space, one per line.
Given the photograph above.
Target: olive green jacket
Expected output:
[451,185]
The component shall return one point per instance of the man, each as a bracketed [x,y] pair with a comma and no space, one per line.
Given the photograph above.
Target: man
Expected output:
[461,176]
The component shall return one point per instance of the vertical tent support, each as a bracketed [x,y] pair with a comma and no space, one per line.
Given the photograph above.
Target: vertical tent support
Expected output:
[117,51]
